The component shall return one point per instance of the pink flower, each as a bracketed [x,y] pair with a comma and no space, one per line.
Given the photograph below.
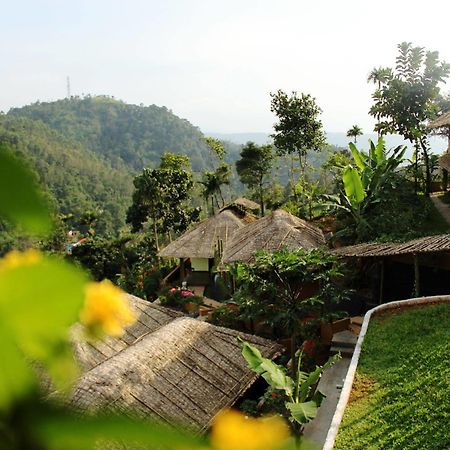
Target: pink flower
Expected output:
[186,293]
[173,289]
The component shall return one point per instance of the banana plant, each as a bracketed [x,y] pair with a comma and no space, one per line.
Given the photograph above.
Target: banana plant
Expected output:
[365,180]
[303,399]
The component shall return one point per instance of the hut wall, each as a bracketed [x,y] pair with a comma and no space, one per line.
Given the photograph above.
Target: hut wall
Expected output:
[200,264]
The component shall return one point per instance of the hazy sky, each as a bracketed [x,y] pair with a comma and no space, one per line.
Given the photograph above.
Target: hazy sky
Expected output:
[212,62]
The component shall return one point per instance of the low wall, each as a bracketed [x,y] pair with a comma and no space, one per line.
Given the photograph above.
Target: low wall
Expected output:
[347,387]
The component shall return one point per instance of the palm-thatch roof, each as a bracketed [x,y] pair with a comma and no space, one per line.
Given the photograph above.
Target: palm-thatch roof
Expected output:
[149,318]
[428,244]
[444,161]
[270,233]
[201,240]
[441,121]
[246,203]
[184,372]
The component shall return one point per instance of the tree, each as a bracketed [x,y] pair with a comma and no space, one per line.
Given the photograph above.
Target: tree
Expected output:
[299,128]
[254,166]
[161,195]
[213,180]
[354,132]
[406,96]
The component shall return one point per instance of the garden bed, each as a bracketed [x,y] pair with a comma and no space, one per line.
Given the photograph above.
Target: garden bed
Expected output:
[400,395]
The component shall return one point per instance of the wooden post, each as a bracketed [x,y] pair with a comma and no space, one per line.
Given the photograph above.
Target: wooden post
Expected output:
[416,276]
[182,269]
[380,300]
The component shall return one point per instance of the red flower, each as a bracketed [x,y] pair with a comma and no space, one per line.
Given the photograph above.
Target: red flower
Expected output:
[309,347]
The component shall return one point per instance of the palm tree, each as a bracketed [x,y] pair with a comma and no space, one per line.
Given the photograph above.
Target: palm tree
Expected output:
[354,132]
[379,76]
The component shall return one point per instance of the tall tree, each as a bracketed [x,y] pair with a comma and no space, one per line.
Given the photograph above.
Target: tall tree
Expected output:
[213,180]
[405,100]
[161,196]
[299,128]
[254,166]
[354,132]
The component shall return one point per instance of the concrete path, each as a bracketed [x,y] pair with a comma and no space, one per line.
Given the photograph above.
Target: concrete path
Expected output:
[316,431]
[442,207]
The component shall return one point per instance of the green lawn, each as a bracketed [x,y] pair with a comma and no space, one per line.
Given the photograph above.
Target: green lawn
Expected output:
[401,395]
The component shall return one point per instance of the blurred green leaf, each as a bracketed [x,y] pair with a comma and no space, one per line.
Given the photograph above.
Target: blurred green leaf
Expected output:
[84,433]
[21,201]
[16,379]
[38,304]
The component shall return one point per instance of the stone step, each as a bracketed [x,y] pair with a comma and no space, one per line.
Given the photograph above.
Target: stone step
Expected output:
[357,320]
[346,352]
[355,329]
[344,339]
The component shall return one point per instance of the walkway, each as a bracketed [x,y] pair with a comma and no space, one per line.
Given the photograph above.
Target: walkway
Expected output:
[442,207]
[331,384]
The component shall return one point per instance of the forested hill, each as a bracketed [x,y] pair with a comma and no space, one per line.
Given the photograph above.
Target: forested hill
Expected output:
[77,179]
[134,135]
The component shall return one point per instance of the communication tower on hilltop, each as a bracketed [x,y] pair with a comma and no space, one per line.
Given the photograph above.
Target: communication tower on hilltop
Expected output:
[68,87]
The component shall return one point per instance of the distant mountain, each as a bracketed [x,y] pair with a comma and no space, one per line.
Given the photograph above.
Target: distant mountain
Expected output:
[438,145]
[123,134]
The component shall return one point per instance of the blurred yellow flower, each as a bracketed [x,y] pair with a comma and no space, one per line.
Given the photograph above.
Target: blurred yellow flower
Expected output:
[233,431]
[106,310]
[15,259]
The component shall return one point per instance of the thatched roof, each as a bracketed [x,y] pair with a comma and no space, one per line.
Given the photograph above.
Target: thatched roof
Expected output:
[184,372]
[428,244]
[201,241]
[150,317]
[441,121]
[444,161]
[273,232]
[246,203]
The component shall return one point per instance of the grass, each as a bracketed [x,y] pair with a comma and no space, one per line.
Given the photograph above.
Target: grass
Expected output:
[401,395]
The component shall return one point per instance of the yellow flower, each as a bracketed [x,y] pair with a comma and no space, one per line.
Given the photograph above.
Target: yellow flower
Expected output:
[106,310]
[15,259]
[233,431]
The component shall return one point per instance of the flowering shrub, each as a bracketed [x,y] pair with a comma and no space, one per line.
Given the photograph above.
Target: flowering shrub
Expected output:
[177,297]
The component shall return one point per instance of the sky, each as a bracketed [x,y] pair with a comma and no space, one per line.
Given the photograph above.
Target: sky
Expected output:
[213,62]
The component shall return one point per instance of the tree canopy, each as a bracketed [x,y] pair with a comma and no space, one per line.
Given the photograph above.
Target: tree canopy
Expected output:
[254,166]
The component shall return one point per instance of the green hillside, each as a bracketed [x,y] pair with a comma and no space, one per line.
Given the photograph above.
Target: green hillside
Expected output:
[77,179]
[123,133]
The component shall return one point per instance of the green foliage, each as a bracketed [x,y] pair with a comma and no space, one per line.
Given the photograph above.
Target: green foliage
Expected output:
[75,179]
[162,196]
[303,400]
[405,361]
[284,287]
[254,167]
[20,201]
[366,184]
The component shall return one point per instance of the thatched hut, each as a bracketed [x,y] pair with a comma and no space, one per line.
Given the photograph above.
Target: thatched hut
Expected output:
[421,265]
[184,372]
[442,127]
[203,244]
[271,233]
